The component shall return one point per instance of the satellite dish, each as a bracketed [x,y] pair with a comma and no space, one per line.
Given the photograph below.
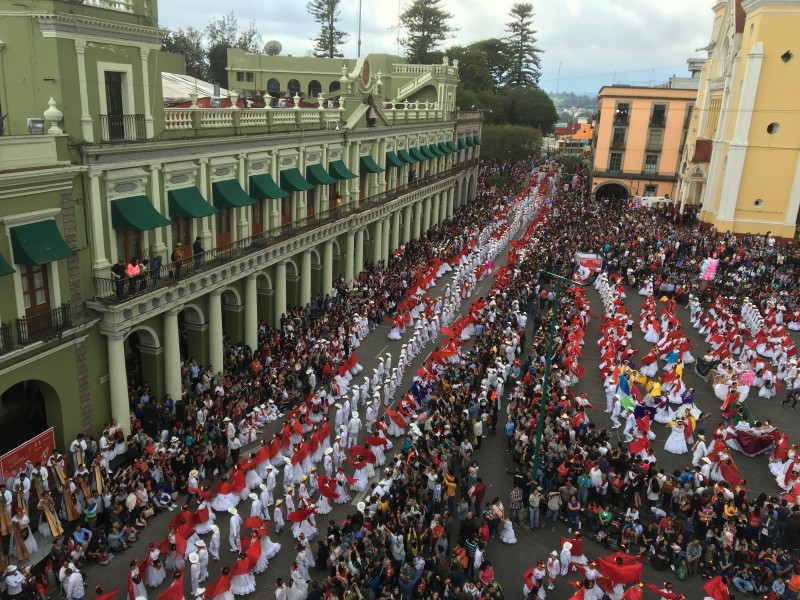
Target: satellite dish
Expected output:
[273,48]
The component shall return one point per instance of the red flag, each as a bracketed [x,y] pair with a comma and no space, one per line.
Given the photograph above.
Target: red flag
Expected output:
[253,522]
[716,588]
[108,595]
[630,571]
[219,586]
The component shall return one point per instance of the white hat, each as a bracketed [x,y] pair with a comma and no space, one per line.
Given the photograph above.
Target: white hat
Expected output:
[269,467]
[174,439]
[361,506]
[214,528]
[233,511]
[12,568]
[226,420]
[554,553]
[253,496]
[193,558]
[567,546]
[337,405]
[262,487]
[199,593]
[200,543]
[329,451]
[287,460]
[355,414]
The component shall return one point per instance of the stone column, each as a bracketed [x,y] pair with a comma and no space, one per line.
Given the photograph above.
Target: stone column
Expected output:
[394,240]
[443,205]
[98,239]
[348,258]
[172,354]
[206,223]
[148,118]
[305,277]
[327,267]
[451,194]
[417,219]
[159,247]
[87,124]
[215,330]
[385,243]
[426,214]
[406,224]
[242,225]
[377,237]
[118,382]
[280,291]
[358,253]
[435,210]
[251,312]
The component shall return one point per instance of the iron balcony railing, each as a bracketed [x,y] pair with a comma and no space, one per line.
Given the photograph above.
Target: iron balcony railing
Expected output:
[122,128]
[658,121]
[44,326]
[6,338]
[117,291]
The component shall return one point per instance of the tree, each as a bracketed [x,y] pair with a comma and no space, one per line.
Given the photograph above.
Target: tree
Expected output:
[427,24]
[508,144]
[523,53]
[473,69]
[223,33]
[330,38]
[497,58]
[188,42]
[527,106]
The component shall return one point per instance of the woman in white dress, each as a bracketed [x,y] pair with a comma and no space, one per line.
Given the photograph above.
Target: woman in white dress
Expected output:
[664,413]
[652,334]
[676,442]
[508,536]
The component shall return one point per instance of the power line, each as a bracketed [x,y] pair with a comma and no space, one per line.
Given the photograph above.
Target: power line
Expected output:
[613,73]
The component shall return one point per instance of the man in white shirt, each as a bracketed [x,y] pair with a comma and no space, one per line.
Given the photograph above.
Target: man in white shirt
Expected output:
[74,586]
[14,580]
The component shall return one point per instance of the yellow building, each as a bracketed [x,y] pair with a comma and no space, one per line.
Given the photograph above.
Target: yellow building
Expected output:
[639,136]
[742,156]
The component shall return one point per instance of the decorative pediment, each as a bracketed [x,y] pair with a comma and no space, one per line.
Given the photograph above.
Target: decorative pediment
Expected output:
[123,183]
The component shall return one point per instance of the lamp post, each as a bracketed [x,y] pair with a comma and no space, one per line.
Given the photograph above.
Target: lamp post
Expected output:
[548,360]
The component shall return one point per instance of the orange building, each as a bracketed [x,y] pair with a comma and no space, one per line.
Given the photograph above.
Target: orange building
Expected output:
[639,136]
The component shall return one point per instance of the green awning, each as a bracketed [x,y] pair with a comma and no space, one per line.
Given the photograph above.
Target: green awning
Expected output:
[293,181]
[229,194]
[263,186]
[5,268]
[370,166]
[451,146]
[477,140]
[462,144]
[443,148]
[340,171]
[317,175]
[136,214]
[469,141]
[419,156]
[437,151]
[427,152]
[406,157]
[393,161]
[188,203]
[38,243]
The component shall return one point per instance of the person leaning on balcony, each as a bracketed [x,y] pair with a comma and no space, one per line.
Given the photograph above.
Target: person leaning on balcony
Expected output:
[177,259]
[338,203]
[119,273]
[197,251]
[133,271]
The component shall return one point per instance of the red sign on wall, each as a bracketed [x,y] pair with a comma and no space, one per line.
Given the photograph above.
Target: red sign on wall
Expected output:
[35,450]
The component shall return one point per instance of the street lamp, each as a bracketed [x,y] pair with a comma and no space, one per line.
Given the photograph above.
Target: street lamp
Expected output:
[548,360]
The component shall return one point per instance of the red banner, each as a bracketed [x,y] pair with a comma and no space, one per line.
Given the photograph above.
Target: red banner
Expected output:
[35,450]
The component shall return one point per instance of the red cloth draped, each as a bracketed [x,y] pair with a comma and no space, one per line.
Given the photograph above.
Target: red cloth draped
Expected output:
[206,495]
[753,444]
[219,586]
[175,591]
[299,516]
[716,588]
[630,571]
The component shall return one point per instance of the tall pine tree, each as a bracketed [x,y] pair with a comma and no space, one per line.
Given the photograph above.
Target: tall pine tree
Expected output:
[427,24]
[329,38]
[524,56]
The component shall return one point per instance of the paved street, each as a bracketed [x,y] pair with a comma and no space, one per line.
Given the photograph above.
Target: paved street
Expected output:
[510,561]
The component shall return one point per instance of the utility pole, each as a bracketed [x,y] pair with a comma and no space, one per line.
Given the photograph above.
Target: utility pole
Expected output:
[358,44]
[547,364]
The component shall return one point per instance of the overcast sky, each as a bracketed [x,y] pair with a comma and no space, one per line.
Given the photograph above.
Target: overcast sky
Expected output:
[642,41]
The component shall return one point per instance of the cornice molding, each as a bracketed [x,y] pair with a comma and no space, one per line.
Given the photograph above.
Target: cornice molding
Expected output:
[38,181]
[752,5]
[63,25]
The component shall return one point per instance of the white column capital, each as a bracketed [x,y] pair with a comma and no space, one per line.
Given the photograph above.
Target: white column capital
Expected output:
[80,46]
[144,53]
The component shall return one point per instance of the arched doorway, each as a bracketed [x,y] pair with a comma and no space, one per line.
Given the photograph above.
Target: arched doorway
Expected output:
[611,191]
[274,87]
[27,409]
[316,273]
[314,88]
[232,315]
[266,297]
[335,86]
[293,87]
[292,284]
[144,366]
[193,332]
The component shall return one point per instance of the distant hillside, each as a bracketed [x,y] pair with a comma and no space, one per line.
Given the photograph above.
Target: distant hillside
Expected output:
[570,105]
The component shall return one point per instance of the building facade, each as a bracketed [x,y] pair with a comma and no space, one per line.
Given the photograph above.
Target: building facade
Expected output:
[266,206]
[742,157]
[638,139]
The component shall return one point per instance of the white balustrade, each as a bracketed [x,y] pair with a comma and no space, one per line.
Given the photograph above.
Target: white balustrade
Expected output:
[254,117]
[216,117]
[309,116]
[120,5]
[283,116]
[177,118]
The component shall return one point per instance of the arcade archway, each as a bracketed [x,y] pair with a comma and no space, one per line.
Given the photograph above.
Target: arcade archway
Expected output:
[611,191]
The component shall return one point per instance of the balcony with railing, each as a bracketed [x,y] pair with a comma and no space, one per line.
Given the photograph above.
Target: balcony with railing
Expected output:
[621,118]
[618,143]
[45,326]
[6,338]
[653,146]
[658,121]
[115,292]
[122,128]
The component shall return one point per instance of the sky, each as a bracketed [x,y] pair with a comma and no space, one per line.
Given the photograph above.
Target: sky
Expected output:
[586,43]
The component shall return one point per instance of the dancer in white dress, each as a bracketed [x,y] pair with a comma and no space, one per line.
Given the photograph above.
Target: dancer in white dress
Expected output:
[676,442]
[508,536]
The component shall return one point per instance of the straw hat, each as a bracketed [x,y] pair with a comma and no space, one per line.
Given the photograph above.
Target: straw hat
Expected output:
[253,496]
[233,511]
[193,473]
[193,558]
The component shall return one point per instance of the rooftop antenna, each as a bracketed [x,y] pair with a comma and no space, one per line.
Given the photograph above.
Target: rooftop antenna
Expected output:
[558,78]
[273,48]
[358,49]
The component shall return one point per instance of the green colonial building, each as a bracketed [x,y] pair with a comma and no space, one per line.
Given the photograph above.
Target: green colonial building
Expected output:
[108,151]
